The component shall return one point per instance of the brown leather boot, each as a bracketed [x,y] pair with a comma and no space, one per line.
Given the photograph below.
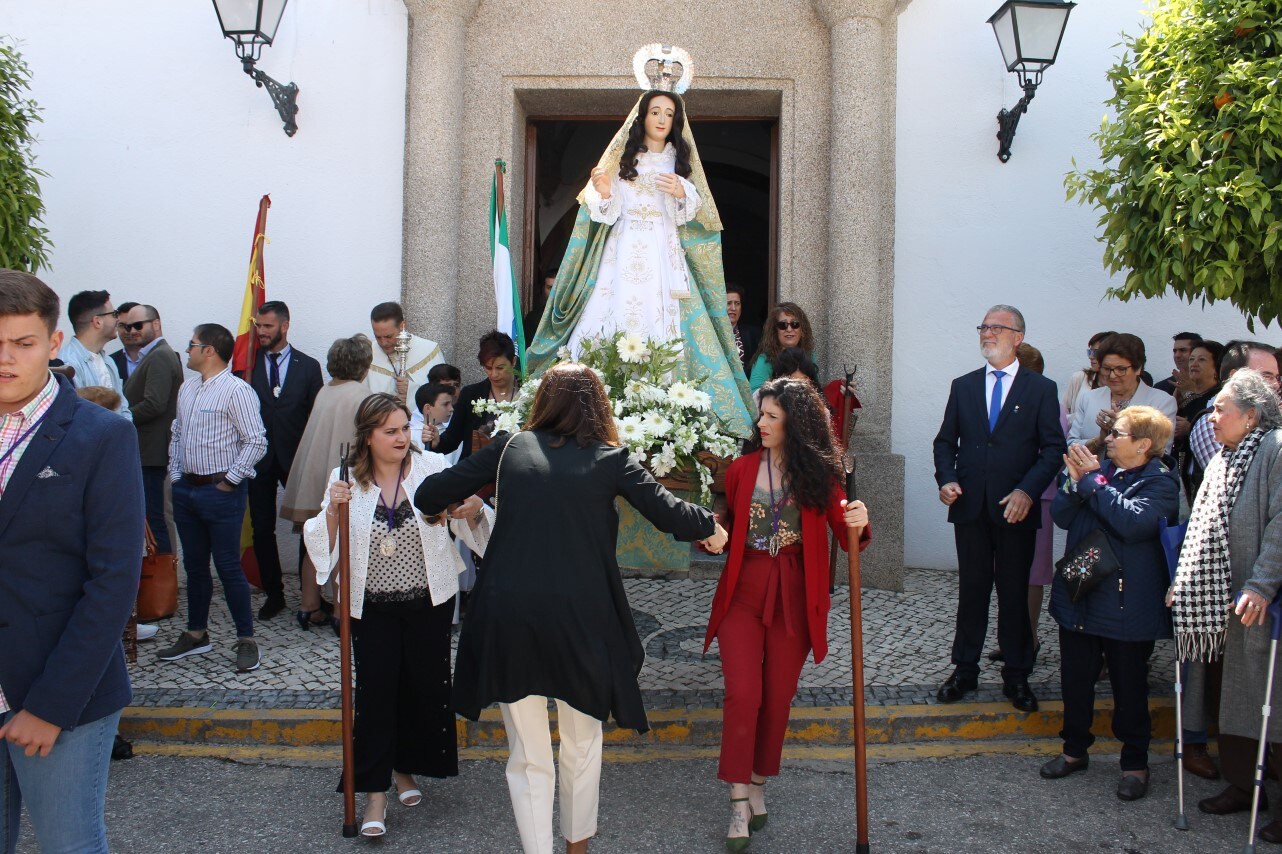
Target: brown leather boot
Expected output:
[1229,801]
[1198,761]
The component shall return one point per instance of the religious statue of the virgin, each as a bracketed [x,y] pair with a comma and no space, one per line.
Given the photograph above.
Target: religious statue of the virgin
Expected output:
[645,253]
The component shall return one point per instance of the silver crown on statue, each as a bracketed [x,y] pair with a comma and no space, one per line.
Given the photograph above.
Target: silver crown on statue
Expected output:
[664,67]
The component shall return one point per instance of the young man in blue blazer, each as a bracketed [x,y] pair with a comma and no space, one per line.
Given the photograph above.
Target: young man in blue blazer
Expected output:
[71,543]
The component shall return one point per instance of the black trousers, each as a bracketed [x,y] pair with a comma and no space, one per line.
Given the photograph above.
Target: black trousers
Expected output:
[993,554]
[1081,656]
[404,721]
[262,516]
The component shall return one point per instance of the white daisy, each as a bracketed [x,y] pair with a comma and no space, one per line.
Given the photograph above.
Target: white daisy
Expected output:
[632,348]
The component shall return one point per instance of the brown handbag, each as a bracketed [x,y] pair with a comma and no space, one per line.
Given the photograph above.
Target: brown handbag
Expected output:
[158,587]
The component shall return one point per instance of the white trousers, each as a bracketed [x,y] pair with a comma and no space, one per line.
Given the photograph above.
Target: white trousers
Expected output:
[531,775]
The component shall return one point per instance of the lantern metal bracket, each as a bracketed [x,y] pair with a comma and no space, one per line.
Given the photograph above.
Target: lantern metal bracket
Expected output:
[1008,120]
[284,96]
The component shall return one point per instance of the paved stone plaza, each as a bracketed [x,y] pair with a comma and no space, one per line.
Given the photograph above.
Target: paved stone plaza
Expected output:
[907,639]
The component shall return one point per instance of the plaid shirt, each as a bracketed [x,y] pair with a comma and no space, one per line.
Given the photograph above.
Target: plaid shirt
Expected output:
[12,428]
[1202,441]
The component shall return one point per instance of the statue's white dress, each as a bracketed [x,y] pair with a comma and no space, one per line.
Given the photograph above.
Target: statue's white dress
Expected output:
[643,269]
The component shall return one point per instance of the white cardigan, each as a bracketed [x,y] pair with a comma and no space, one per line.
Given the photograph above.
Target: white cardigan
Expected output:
[440,556]
[1095,400]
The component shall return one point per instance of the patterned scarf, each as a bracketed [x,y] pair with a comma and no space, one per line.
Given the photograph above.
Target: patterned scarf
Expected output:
[1202,580]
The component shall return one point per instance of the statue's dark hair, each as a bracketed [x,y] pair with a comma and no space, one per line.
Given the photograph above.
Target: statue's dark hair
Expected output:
[812,461]
[636,137]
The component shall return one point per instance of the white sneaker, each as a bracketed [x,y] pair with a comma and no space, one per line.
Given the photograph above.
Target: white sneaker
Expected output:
[147,631]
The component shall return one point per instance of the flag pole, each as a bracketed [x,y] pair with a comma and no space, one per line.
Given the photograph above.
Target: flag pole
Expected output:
[857,669]
[343,587]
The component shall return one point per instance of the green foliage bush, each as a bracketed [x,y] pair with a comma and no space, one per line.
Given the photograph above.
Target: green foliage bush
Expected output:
[24,244]
[1191,189]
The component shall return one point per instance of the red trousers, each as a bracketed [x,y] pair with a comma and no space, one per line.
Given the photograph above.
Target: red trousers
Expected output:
[764,641]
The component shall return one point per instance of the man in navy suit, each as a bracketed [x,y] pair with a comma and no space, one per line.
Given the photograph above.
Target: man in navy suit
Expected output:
[997,450]
[71,535]
[286,382]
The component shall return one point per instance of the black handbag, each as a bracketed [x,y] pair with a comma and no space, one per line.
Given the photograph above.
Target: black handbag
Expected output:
[1086,564]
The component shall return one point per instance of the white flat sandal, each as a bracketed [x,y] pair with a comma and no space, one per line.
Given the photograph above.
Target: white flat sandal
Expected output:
[410,797]
[375,828]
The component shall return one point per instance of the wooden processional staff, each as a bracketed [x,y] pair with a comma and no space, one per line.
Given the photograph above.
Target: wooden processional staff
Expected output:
[856,637]
[343,588]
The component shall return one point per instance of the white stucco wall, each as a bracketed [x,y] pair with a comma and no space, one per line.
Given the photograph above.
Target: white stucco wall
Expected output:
[971,231]
[158,148]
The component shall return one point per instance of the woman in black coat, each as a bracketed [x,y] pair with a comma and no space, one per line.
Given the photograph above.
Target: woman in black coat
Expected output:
[549,617]
[497,355]
[1117,622]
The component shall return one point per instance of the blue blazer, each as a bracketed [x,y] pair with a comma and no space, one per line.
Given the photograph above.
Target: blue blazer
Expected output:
[71,544]
[1023,452]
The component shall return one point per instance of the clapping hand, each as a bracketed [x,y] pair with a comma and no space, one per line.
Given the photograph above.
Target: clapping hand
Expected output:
[669,183]
[1079,461]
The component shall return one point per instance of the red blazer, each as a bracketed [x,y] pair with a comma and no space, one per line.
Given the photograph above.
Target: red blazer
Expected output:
[741,477]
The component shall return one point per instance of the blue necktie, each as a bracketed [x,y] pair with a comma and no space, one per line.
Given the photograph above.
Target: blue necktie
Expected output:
[995,405]
[273,372]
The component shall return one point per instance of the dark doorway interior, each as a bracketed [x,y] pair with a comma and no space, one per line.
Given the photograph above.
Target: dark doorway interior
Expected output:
[739,158]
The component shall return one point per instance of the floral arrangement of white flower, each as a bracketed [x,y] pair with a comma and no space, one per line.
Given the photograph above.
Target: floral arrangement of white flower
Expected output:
[665,424]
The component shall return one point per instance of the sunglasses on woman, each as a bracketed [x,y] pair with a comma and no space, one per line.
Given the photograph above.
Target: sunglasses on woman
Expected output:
[787,324]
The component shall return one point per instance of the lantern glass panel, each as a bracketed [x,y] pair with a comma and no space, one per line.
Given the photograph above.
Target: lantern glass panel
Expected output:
[1004,26]
[1039,27]
[237,17]
[269,19]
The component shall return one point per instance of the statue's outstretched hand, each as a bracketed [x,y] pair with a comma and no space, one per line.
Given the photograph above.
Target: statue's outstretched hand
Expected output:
[601,182]
[669,183]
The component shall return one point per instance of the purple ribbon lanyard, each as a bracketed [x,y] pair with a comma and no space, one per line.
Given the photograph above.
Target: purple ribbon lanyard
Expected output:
[18,444]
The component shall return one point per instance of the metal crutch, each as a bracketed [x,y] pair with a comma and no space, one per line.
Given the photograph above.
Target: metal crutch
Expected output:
[1275,629]
[1172,537]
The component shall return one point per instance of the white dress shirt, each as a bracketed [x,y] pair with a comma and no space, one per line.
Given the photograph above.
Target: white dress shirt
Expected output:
[990,380]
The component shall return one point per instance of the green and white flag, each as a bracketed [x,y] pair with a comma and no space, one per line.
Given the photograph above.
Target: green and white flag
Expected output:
[506,296]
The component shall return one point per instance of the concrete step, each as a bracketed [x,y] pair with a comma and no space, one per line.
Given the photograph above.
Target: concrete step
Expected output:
[891,731]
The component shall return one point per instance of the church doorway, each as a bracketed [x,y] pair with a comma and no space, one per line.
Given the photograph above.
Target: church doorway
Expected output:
[740,158]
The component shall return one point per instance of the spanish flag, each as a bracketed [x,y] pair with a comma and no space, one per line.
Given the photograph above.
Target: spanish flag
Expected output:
[242,360]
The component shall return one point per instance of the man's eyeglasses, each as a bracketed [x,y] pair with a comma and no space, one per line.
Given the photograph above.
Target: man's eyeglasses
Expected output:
[787,324]
[115,312]
[1118,434]
[136,326]
[196,345]
[1116,370]
[995,328]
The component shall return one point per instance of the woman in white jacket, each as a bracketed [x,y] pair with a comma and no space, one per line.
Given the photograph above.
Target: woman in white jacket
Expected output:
[404,577]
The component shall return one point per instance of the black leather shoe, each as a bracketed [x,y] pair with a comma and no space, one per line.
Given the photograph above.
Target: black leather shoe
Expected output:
[1021,696]
[955,687]
[1272,832]
[1229,801]
[271,608]
[1061,767]
[997,655]
[1132,788]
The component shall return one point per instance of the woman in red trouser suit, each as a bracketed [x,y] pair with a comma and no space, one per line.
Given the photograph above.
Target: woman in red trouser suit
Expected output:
[771,606]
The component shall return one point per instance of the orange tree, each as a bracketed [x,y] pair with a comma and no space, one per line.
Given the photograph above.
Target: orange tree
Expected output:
[24,244]
[1191,187]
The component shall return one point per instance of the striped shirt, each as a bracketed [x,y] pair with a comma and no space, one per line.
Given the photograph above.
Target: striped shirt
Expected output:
[12,428]
[218,429]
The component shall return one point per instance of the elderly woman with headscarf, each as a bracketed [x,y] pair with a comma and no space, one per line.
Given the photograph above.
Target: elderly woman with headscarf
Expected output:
[1230,568]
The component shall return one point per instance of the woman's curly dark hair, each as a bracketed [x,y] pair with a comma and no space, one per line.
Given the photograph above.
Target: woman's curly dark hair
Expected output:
[812,461]
[636,137]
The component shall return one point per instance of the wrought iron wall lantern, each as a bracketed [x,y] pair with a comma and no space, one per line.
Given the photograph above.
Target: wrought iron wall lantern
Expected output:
[252,24]
[1029,33]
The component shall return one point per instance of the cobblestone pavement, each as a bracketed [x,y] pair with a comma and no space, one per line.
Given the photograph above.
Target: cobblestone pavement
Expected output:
[907,639]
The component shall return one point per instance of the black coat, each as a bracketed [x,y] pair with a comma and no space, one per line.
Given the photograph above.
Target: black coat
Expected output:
[1024,451]
[465,420]
[548,615]
[285,417]
[751,336]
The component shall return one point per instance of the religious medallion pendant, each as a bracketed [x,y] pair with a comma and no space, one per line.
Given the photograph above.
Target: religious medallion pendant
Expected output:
[773,545]
[387,547]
